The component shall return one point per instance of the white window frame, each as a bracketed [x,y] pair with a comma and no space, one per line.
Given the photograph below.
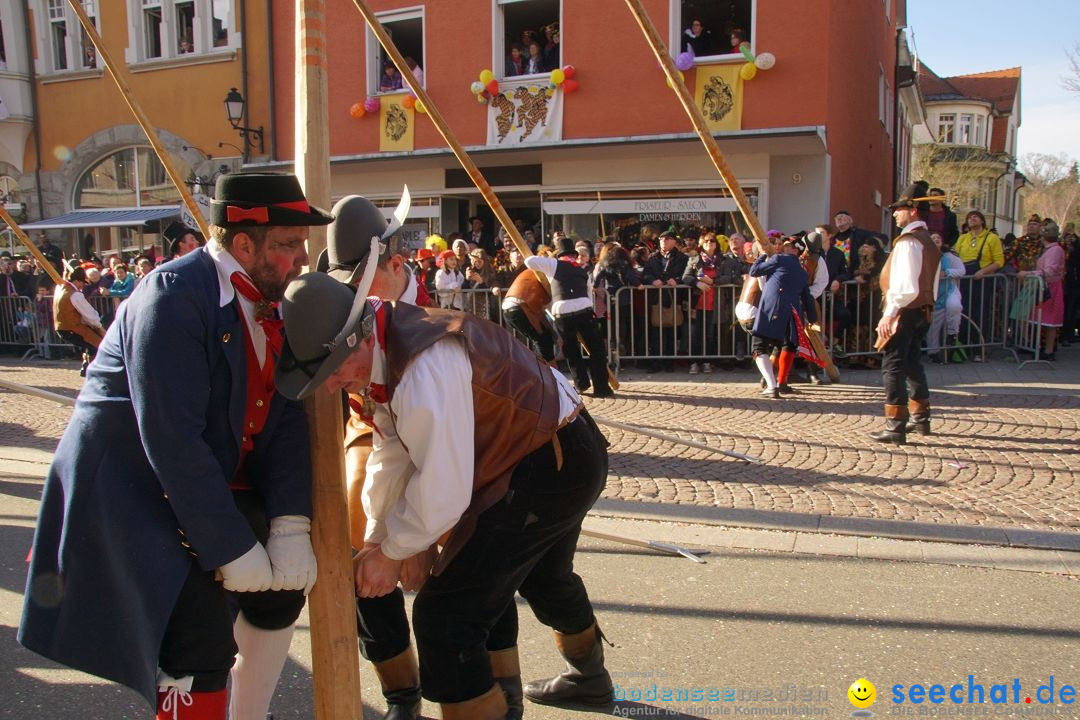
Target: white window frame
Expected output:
[980,127]
[202,30]
[49,15]
[882,93]
[675,24]
[965,129]
[137,150]
[373,56]
[499,51]
[942,123]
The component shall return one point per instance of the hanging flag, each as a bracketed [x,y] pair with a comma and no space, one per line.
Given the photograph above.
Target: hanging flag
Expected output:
[719,96]
[524,112]
[396,125]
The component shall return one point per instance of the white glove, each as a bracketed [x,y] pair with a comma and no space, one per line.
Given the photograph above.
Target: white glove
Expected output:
[291,556]
[250,572]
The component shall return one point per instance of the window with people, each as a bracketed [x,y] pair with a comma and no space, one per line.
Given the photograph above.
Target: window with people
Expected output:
[709,28]
[174,28]
[531,36]
[407,31]
[69,50]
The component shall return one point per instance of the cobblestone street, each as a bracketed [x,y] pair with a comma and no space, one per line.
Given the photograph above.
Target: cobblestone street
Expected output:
[1004,453]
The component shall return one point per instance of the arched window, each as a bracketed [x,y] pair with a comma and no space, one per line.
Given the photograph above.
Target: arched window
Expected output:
[128,178]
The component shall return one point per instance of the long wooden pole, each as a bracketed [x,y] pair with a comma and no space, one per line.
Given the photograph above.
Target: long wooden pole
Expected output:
[700,126]
[21,234]
[334,651]
[119,74]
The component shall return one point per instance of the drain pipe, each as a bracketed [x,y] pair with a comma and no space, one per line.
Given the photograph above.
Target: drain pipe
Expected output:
[28,37]
[244,76]
[272,125]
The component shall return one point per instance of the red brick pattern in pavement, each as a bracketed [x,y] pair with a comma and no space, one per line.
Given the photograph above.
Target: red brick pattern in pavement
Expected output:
[998,460]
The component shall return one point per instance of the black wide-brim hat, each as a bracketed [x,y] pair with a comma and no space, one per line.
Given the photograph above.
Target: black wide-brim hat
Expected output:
[178,230]
[325,321]
[916,194]
[263,199]
[359,228]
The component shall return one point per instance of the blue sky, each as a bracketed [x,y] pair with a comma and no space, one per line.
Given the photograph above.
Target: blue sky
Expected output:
[956,37]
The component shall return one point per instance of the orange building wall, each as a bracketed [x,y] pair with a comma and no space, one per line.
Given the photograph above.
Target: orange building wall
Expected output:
[185,99]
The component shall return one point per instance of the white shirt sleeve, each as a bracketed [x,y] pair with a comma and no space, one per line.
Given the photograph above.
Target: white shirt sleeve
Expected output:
[448,281]
[546,265]
[89,314]
[904,265]
[820,280]
[421,478]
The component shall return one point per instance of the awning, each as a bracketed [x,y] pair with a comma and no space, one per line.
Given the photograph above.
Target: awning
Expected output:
[119,217]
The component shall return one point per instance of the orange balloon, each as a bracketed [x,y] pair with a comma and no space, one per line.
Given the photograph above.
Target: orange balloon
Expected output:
[409,102]
[357,110]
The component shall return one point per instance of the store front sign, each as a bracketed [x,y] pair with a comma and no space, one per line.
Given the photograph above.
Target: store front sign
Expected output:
[648,208]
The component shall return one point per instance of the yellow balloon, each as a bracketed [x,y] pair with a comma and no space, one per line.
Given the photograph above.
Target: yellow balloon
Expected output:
[419,107]
[557,76]
[486,76]
[681,77]
[748,71]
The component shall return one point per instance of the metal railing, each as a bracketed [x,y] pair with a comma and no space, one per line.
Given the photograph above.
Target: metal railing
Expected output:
[1025,317]
[27,324]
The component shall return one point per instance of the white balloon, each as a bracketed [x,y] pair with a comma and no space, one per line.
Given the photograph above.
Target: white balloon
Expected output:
[765,61]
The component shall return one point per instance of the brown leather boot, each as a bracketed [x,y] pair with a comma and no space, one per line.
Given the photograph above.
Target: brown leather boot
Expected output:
[489,706]
[585,680]
[920,417]
[506,669]
[895,423]
[400,680]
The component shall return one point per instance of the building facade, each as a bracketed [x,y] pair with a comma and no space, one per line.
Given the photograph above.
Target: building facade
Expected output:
[970,149]
[86,174]
[815,133]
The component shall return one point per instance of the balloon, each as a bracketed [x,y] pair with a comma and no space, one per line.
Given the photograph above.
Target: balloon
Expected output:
[477,87]
[409,101]
[480,99]
[357,110]
[557,76]
[685,61]
[493,87]
[486,76]
[550,92]
[570,86]
[681,77]
[765,61]
[748,71]
[372,104]
[568,71]
[744,48]
[419,105]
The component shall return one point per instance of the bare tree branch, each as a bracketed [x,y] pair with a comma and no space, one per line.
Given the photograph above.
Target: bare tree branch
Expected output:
[1071,82]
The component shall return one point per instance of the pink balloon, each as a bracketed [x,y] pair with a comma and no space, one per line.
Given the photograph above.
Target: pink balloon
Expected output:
[371,104]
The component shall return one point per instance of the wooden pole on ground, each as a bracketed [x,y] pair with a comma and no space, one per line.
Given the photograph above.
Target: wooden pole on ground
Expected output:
[21,234]
[463,158]
[335,656]
[698,120]
[119,74]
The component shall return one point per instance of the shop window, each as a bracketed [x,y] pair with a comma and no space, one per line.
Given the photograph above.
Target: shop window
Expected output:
[528,37]
[177,28]
[130,177]
[946,129]
[406,29]
[712,28]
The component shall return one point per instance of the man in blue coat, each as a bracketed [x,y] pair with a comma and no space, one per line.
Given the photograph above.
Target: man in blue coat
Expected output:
[184,478]
[785,295]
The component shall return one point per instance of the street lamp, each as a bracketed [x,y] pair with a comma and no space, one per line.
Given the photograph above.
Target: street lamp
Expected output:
[234,109]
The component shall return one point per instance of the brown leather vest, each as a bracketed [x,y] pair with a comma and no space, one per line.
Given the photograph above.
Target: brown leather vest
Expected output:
[515,398]
[66,317]
[931,259]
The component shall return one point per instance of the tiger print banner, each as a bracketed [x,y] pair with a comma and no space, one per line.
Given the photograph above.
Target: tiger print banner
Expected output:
[524,111]
[719,96]
[395,124]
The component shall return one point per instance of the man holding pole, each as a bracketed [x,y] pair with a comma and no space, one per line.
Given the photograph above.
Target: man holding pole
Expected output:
[171,502]
[909,284]
[442,381]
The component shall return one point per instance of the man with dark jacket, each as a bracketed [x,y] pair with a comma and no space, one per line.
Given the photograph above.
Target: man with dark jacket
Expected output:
[850,238]
[171,504]
[664,270]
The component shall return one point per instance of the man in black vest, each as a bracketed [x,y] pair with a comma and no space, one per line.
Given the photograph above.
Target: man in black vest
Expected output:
[909,283]
[572,308]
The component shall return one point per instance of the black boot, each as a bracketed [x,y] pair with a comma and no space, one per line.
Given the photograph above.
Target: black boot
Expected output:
[895,423]
[585,681]
[506,669]
[400,680]
[920,417]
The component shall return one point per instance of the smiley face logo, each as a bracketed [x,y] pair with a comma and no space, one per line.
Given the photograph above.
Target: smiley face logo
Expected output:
[862,693]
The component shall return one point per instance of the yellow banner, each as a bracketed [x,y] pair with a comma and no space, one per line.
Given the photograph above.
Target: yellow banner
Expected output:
[395,124]
[719,96]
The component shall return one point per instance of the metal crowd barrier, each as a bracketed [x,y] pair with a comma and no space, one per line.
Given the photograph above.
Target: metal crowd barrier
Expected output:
[1025,317]
[27,324]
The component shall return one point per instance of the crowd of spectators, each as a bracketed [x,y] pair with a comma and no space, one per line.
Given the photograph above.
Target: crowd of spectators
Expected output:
[534,52]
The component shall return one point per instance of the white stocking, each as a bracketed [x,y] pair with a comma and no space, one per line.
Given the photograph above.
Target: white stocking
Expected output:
[767,370]
[258,665]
